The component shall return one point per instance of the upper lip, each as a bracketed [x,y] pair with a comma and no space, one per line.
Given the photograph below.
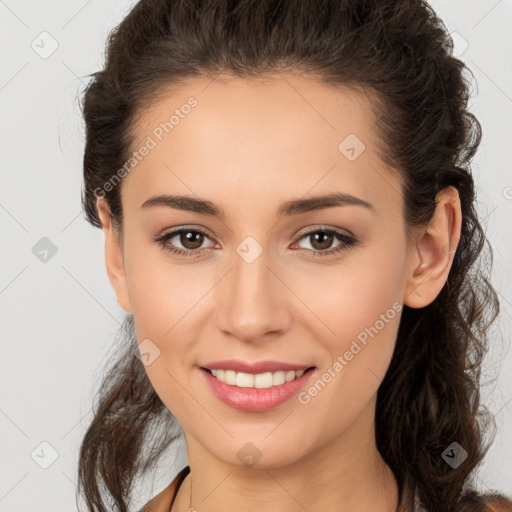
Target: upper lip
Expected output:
[255,367]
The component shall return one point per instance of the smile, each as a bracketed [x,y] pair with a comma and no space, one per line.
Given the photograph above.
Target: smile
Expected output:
[256,392]
[259,380]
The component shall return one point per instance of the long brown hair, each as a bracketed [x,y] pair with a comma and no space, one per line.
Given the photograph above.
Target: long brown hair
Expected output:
[400,53]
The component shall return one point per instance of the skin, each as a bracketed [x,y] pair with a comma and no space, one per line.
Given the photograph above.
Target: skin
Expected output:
[278,140]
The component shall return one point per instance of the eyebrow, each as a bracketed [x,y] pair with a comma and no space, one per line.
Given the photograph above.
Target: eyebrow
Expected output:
[293,207]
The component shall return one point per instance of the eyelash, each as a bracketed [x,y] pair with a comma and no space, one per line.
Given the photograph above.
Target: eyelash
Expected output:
[347,240]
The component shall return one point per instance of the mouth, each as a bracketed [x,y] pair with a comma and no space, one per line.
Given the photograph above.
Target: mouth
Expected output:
[258,392]
[256,380]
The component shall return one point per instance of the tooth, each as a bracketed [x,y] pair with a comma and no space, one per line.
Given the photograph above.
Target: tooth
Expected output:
[290,375]
[263,380]
[230,377]
[245,380]
[278,378]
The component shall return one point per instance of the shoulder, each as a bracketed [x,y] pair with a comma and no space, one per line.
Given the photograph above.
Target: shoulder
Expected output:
[163,500]
[473,501]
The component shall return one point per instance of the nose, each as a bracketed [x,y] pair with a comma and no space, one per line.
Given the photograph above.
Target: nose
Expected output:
[253,300]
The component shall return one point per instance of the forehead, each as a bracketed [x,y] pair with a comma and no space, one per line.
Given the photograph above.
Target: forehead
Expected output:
[294,104]
[282,135]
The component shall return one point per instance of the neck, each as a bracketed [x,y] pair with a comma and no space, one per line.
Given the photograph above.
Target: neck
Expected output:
[347,473]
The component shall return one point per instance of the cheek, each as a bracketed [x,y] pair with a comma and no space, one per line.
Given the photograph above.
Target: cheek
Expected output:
[363,315]
[359,305]
[168,307]
[166,301]
[349,297]
[162,293]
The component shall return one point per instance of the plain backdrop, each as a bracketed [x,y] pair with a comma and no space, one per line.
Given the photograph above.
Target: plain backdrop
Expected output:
[59,316]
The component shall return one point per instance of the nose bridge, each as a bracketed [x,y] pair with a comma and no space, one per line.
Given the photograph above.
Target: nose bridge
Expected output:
[252,301]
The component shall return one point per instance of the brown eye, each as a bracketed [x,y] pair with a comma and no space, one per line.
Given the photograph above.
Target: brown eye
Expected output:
[321,240]
[190,239]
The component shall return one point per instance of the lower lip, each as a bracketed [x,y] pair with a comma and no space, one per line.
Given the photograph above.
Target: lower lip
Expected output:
[256,399]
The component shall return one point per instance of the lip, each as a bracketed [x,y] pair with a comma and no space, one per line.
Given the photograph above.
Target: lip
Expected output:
[256,399]
[254,368]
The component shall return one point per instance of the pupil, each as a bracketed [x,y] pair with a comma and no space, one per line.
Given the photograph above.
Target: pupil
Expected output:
[188,238]
[327,240]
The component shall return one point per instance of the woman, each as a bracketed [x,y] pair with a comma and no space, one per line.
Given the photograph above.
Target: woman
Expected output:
[289,222]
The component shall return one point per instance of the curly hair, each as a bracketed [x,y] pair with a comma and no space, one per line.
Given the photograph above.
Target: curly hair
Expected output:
[400,54]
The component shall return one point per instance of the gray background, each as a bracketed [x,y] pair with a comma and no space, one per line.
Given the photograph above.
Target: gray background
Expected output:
[59,317]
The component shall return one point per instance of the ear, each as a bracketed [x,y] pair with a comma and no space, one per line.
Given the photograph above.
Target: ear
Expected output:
[113,256]
[431,257]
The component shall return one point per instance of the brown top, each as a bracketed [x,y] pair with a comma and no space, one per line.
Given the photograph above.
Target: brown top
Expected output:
[164,500]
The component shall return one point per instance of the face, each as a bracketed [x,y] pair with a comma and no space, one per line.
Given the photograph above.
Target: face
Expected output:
[311,286]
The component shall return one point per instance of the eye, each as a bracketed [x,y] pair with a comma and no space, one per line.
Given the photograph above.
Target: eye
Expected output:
[190,238]
[321,239]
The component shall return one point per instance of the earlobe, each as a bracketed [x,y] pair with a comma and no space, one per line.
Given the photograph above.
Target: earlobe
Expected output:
[432,256]
[113,256]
